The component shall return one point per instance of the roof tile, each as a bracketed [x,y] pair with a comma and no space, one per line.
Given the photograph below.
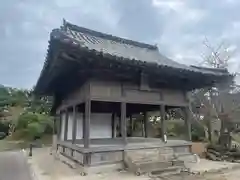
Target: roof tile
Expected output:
[125,48]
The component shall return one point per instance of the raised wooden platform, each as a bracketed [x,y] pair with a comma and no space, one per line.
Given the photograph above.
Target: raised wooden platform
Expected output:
[113,151]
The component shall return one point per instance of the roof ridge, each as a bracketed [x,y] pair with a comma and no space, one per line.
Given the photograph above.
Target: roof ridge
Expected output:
[74,27]
[223,70]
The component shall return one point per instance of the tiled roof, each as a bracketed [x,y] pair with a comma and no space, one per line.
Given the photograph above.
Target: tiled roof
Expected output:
[125,48]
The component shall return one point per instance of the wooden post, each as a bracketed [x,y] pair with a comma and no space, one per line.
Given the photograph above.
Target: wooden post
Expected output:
[123,122]
[188,125]
[86,124]
[66,125]
[74,125]
[163,118]
[145,124]
[113,125]
[131,126]
[59,125]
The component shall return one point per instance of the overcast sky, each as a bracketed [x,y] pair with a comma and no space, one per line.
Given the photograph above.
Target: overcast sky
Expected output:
[177,26]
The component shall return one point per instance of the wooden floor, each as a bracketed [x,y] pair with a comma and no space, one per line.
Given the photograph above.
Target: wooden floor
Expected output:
[116,144]
[134,143]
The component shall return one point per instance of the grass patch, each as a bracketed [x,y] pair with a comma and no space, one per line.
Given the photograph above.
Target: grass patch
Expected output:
[6,145]
[9,144]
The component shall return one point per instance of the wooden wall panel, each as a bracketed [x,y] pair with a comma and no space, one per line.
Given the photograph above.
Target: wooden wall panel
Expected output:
[173,96]
[142,95]
[116,91]
[106,89]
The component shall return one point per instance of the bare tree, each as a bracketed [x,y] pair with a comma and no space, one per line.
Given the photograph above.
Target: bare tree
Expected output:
[212,102]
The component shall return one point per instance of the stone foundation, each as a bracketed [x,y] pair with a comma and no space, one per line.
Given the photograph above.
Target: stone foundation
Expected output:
[104,158]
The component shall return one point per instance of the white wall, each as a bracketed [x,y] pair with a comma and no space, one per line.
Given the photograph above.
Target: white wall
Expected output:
[79,126]
[100,126]
[62,125]
[70,124]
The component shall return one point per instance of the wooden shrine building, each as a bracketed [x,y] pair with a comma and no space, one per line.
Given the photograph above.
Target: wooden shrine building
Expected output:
[100,81]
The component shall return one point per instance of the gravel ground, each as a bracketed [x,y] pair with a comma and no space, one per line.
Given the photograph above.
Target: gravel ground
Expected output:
[46,168]
[13,166]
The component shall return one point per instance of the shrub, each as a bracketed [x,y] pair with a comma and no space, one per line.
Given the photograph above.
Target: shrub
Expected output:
[4,127]
[34,125]
[2,135]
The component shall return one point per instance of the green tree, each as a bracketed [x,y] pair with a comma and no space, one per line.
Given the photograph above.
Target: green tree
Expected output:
[25,112]
[34,124]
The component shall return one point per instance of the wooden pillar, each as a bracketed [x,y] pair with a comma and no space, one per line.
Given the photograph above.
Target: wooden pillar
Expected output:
[74,125]
[145,124]
[131,125]
[123,122]
[59,125]
[86,124]
[55,137]
[188,124]
[113,126]
[66,125]
[163,121]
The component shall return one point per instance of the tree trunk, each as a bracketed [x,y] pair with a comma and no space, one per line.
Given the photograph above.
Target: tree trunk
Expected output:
[209,130]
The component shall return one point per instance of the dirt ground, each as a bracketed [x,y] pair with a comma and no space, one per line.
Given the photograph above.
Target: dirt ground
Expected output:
[227,175]
[45,167]
[199,148]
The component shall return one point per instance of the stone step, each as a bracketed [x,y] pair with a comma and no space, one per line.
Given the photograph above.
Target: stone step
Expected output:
[159,154]
[148,166]
[188,158]
[153,160]
[166,171]
[141,167]
[178,163]
[161,163]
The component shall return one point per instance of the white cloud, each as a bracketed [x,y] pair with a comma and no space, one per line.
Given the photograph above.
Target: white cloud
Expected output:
[231,2]
[178,27]
[179,9]
[176,5]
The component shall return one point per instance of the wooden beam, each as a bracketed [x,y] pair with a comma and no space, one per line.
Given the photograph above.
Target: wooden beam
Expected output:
[86,124]
[66,125]
[123,122]
[74,125]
